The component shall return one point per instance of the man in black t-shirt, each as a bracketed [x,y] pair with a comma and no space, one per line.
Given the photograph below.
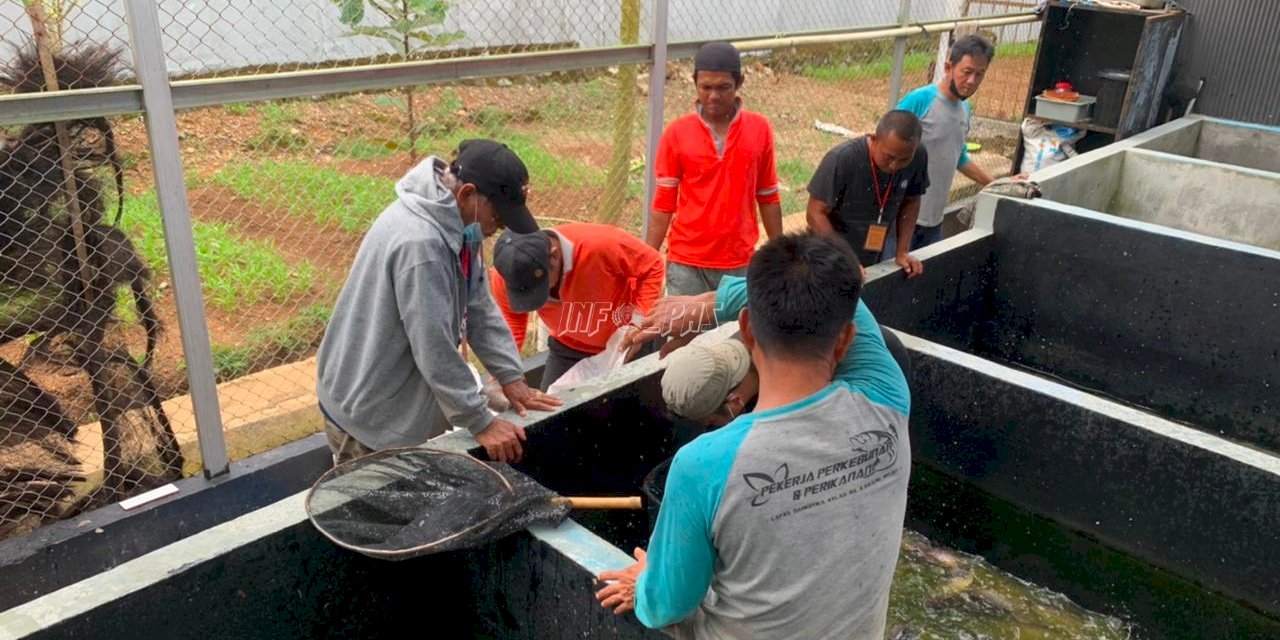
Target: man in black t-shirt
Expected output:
[850,198]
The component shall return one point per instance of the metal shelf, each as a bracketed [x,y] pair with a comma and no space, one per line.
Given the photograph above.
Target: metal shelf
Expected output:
[1086,125]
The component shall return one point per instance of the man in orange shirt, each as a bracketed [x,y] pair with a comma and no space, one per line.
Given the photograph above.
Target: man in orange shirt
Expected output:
[714,167]
[584,280]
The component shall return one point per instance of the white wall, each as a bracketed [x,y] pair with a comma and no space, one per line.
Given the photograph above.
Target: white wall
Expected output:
[214,35]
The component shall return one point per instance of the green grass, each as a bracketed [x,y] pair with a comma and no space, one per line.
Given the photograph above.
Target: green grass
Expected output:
[574,103]
[547,169]
[367,148]
[237,108]
[277,129]
[795,174]
[544,168]
[235,271]
[320,194]
[882,65]
[126,306]
[268,346]
[1015,50]
[875,67]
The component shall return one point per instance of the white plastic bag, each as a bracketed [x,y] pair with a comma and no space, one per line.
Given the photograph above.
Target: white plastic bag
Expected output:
[594,366]
[1046,145]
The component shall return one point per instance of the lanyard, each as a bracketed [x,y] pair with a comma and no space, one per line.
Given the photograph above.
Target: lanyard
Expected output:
[881,200]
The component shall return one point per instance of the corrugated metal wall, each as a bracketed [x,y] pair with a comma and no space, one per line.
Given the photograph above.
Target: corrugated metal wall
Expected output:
[1232,44]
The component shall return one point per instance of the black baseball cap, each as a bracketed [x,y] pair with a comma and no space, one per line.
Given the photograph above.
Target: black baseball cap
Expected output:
[524,260]
[717,56]
[498,174]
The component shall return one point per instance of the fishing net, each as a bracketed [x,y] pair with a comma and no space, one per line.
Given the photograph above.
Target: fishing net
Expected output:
[402,503]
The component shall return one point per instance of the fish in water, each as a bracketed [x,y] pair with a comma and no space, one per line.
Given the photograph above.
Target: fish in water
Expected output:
[991,600]
[904,633]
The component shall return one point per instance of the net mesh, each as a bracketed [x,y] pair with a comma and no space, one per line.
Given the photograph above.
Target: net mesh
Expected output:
[403,503]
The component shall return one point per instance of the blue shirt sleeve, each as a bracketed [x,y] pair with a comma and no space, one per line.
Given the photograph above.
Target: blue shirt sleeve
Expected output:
[919,101]
[731,298]
[868,366]
[682,554]
[964,144]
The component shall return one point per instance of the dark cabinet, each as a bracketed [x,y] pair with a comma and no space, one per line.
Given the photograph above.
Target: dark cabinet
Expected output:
[1081,43]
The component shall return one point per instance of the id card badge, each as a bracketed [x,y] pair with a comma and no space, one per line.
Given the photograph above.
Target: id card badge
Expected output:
[875,237]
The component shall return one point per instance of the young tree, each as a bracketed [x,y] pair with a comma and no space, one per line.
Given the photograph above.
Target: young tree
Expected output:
[408,25]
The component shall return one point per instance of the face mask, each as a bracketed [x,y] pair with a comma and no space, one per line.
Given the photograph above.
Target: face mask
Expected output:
[473,234]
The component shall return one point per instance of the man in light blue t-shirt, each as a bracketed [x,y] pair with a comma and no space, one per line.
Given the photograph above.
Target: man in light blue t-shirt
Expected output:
[944,112]
[786,522]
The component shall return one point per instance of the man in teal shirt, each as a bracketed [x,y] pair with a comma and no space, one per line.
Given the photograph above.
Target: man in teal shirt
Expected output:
[945,112]
[786,522]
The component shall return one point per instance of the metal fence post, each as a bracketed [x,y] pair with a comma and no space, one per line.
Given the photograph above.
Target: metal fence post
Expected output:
[657,102]
[171,191]
[899,55]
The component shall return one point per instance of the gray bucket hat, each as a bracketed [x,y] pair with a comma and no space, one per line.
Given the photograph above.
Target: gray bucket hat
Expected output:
[698,378]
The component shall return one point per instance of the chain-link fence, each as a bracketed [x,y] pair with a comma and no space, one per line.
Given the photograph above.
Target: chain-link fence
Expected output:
[81,419]
[280,191]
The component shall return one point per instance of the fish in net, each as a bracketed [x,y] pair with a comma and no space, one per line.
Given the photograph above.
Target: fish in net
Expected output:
[403,503]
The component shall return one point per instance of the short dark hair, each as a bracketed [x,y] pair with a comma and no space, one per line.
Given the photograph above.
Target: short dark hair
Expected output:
[974,46]
[901,123]
[803,289]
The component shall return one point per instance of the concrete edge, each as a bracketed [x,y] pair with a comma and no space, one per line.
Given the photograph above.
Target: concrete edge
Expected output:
[1236,123]
[574,541]
[1156,425]
[887,268]
[136,574]
[1138,225]
[1173,158]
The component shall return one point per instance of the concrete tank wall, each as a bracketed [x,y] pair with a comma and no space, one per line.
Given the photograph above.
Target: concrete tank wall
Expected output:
[293,583]
[1091,185]
[1208,176]
[1242,145]
[1219,200]
[1186,327]
[1202,508]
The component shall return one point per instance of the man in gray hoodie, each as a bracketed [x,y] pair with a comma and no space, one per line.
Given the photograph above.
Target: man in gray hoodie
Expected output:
[390,373]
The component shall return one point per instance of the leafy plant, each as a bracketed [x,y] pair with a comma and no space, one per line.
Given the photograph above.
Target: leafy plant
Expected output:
[410,26]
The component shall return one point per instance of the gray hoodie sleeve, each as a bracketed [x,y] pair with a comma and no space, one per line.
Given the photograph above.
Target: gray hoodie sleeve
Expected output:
[489,335]
[422,295]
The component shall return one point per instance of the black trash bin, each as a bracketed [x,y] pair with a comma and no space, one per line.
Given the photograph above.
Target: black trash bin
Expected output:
[1115,83]
[653,487]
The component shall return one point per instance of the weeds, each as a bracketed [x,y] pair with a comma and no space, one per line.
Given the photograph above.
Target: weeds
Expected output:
[367,148]
[237,109]
[881,66]
[277,129]
[321,194]
[269,346]
[794,175]
[235,271]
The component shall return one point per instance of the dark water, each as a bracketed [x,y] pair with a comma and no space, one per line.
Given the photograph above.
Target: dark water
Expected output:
[942,593]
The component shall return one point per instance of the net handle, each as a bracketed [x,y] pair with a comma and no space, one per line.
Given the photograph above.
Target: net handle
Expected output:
[592,502]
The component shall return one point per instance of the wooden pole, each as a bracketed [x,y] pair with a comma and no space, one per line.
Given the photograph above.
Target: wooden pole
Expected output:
[35,10]
[624,117]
